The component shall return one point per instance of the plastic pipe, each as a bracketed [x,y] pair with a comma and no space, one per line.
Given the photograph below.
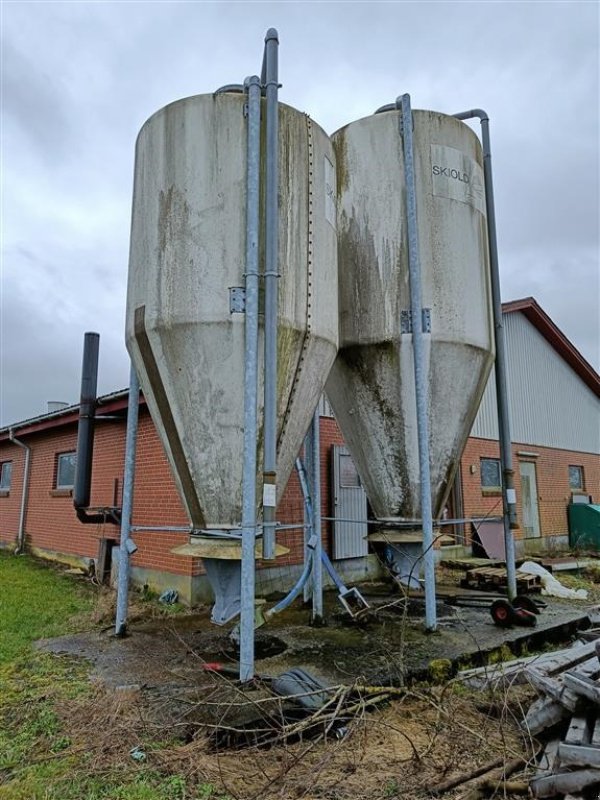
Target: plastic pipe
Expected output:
[317,572]
[422,400]
[24,490]
[332,573]
[247,589]
[125,545]
[293,594]
[504,431]
[270,81]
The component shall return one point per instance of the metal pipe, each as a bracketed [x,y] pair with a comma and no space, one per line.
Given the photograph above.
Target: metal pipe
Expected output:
[306,507]
[509,497]
[421,392]
[24,490]
[317,572]
[85,429]
[125,545]
[270,80]
[250,383]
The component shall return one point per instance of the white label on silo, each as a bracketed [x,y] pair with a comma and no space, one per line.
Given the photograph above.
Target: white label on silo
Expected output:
[329,191]
[457,176]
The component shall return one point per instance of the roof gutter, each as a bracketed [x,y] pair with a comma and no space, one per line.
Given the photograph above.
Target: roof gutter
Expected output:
[24,491]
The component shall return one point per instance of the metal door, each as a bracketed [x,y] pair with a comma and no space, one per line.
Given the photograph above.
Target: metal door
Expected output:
[349,503]
[529,500]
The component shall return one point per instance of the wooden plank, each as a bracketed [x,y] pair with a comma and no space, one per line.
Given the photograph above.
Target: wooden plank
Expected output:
[583,686]
[579,731]
[553,688]
[548,759]
[544,713]
[595,740]
[567,782]
[574,755]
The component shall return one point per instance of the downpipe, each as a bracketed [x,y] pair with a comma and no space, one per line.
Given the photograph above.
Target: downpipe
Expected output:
[24,492]
[509,497]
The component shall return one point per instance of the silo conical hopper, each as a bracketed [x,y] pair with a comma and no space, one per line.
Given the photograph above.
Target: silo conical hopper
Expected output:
[371,386]
[187,252]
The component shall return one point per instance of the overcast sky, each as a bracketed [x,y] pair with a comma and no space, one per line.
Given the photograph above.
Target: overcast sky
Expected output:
[80,78]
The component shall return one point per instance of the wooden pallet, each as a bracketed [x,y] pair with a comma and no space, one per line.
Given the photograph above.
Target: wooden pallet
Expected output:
[495,578]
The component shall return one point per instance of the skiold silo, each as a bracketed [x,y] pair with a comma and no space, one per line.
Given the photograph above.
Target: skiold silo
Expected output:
[187,250]
[371,386]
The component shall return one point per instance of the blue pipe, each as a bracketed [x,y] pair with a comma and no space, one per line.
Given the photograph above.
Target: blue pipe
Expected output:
[289,599]
[332,573]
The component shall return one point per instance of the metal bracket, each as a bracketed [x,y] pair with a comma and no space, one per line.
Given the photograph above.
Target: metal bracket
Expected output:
[237,300]
[406,325]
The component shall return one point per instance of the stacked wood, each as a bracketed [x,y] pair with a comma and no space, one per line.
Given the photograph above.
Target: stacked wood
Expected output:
[568,685]
[495,578]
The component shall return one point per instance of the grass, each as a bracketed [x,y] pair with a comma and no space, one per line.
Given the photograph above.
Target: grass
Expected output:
[38,758]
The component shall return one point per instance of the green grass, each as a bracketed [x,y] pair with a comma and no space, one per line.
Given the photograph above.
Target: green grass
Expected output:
[38,759]
[37,601]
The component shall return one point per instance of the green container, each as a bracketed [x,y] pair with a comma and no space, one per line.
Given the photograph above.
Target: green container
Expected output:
[584,526]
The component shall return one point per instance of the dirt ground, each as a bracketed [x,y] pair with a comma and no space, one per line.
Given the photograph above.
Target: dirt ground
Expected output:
[154,693]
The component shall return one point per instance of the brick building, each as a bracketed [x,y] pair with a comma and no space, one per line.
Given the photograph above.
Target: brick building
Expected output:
[555,409]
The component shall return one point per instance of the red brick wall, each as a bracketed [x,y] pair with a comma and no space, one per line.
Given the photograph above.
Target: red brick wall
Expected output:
[51,523]
[10,502]
[552,477]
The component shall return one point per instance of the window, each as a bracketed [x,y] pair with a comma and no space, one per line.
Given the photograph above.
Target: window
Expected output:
[65,470]
[576,477]
[5,475]
[490,474]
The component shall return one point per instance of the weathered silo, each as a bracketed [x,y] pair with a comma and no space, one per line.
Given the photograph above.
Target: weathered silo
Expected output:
[371,386]
[188,253]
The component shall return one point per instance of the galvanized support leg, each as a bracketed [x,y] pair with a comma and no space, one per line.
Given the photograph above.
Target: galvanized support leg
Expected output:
[126,546]
[509,496]
[414,269]
[250,384]
[308,515]
[317,572]
[270,81]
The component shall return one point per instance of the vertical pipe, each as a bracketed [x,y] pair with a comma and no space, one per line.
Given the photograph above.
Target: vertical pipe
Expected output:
[125,544]
[308,515]
[317,570]
[270,80]
[250,383]
[422,400]
[87,413]
[24,491]
[509,497]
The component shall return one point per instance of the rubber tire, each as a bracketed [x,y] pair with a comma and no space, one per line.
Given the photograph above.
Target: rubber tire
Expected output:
[526,603]
[502,613]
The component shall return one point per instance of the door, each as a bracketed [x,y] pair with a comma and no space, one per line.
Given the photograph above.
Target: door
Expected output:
[529,500]
[349,503]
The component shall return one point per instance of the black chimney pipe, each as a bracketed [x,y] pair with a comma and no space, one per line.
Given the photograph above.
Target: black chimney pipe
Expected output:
[85,436]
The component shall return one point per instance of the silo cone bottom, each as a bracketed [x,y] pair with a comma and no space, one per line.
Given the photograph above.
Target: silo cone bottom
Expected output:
[405,563]
[223,565]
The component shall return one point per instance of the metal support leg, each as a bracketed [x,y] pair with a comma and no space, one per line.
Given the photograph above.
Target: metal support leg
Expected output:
[250,385]
[414,269]
[126,547]
[317,576]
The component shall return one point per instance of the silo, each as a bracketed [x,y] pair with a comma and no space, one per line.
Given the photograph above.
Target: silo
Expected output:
[185,332]
[371,386]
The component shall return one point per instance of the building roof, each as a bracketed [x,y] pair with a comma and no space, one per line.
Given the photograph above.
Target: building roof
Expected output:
[531,309]
[116,402]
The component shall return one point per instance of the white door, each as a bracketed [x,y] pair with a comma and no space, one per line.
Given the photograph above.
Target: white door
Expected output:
[529,500]
[349,503]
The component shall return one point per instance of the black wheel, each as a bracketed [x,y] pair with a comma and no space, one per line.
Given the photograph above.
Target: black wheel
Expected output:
[502,613]
[525,618]
[526,603]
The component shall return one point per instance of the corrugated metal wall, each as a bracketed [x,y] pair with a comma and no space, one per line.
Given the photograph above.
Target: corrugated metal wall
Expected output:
[550,405]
